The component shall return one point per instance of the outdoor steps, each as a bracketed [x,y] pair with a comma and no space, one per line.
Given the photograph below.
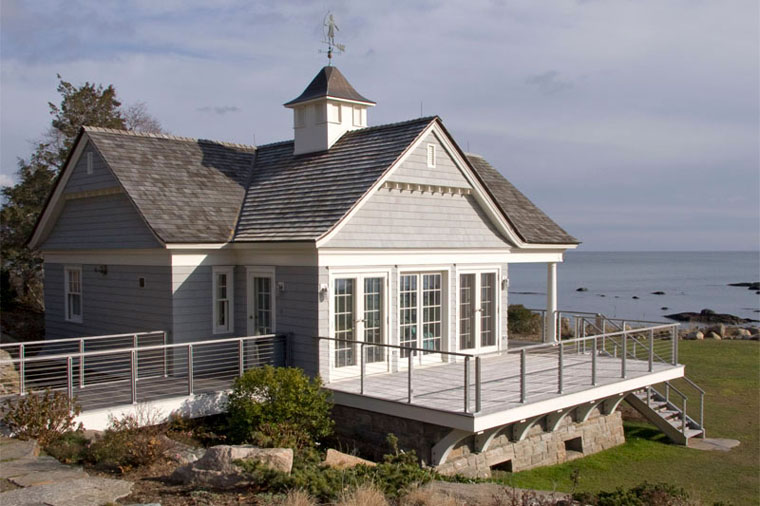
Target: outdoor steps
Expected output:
[666,416]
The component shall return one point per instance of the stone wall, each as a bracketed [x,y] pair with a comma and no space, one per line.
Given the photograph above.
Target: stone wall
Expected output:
[366,431]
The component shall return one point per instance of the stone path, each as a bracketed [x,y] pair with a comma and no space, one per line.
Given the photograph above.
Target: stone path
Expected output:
[42,480]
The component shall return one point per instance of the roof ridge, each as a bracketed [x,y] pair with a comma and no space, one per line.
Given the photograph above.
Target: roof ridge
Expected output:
[171,137]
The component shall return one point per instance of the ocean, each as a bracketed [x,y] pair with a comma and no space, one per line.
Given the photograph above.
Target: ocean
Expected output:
[692,281]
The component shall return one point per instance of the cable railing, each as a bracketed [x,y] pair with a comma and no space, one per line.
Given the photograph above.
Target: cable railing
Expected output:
[132,374]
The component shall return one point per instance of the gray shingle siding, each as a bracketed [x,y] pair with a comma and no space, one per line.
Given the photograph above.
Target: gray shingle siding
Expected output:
[112,303]
[101,176]
[298,313]
[415,168]
[104,222]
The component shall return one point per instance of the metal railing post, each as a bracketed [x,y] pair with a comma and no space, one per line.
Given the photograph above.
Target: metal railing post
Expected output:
[702,413]
[69,377]
[649,396]
[477,384]
[133,375]
[560,368]
[241,361]
[523,366]
[675,344]
[81,363]
[625,353]
[410,377]
[667,393]
[466,384]
[135,341]
[189,369]
[166,367]
[593,362]
[362,364]
[543,326]
[651,350]
[683,416]
[634,348]
[21,369]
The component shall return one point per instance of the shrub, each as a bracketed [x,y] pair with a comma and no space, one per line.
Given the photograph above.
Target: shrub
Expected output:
[129,442]
[297,498]
[278,407]
[646,494]
[42,416]
[69,448]
[205,431]
[521,320]
[363,495]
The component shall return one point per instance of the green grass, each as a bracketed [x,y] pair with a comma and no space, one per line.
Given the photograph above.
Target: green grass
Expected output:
[730,373]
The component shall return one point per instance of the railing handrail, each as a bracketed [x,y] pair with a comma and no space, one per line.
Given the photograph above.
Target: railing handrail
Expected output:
[587,338]
[398,347]
[74,339]
[572,312]
[697,387]
[115,351]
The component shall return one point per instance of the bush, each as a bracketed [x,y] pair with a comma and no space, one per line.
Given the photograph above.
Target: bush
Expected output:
[42,416]
[129,442]
[521,320]
[205,431]
[646,494]
[70,448]
[278,407]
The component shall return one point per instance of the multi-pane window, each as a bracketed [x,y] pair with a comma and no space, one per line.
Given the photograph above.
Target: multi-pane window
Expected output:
[467,311]
[262,311]
[222,299]
[373,318]
[487,309]
[73,294]
[344,323]
[408,312]
[431,312]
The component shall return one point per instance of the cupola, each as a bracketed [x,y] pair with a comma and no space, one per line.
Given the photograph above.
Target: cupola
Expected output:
[327,108]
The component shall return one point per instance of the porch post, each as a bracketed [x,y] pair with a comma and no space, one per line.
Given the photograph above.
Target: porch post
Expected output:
[550,321]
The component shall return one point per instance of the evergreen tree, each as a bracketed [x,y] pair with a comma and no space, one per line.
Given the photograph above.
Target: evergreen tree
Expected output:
[88,104]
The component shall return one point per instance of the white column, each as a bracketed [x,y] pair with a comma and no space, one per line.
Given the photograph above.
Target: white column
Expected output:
[551,303]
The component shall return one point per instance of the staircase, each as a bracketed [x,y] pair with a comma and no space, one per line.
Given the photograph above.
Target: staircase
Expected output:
[662,410]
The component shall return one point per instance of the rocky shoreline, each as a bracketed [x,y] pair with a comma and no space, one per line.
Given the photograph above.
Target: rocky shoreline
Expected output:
[721,332]
[709,316]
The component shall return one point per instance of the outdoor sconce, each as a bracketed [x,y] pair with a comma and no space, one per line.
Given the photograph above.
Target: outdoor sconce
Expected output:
[504,282]
[102,269]
[281,286]
[322,292]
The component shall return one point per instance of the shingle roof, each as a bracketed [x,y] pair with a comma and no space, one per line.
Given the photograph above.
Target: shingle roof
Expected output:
[188,190]
[530,222]
[301,197]
[329,82]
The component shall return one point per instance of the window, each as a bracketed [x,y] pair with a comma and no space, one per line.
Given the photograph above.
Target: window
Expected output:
[222,299]
[359,115]
[73,294]
[431,156]
[477,310]
[421,294]
[141,282]
[334,114]
[89,162]
[359,316]
[262,300]
[344,323]
[300,117]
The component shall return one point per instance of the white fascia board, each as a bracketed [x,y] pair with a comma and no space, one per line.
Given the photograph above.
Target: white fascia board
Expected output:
[154,256]
[55,205]
[246,254]
[484,422]
[535,256]
[374,257]
[331,98]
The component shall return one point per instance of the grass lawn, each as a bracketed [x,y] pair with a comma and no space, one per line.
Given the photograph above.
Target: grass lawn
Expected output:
[730,373]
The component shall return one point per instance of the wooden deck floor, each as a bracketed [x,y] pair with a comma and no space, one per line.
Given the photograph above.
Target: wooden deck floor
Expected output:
[441,386]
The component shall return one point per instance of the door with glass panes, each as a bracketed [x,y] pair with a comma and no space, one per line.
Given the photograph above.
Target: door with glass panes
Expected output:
[478,311]
[359,316]
[421,315]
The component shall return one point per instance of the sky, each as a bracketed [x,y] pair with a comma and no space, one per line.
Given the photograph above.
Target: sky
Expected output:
[633,124]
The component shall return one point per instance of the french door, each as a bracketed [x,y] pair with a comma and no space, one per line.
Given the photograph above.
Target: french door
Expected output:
[478,311]
[359,314]
[421,314]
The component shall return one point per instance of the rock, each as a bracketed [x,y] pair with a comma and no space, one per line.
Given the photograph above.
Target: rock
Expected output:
[9,382]
[713,335]
[182,453]
[82,492]
[708,316]
[582,289]
[658,293]
[664,308]
[635,297]
[12,449]
[750,285]
[216,469]
[694,335]
[340,460]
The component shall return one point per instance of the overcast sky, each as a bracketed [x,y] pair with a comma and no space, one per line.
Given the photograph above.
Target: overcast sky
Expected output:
[634,124]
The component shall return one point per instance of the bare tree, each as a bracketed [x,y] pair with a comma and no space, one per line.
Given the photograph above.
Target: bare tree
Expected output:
[137,118]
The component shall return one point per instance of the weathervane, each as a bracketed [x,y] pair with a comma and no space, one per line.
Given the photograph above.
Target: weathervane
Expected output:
[329,37]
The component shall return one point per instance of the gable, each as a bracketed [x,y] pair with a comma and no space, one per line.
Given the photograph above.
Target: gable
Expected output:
[101,222]
[414,169]
[98,177]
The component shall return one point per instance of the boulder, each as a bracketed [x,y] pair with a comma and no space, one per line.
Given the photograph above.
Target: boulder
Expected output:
[713,335]
[217,469]
[658,292]
[582,289]
[340,460]
[181,453]
[694,335]
[9,380]
[719,329]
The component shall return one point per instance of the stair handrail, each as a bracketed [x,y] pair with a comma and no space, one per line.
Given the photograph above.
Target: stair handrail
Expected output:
[701,403]
[684,398]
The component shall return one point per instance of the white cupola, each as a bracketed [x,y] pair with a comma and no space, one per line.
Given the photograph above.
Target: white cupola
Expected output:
[328,108]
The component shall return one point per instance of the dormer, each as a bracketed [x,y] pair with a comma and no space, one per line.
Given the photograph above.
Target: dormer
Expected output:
[328,108]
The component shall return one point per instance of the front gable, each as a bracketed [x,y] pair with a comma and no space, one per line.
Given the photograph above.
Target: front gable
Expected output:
[421,203]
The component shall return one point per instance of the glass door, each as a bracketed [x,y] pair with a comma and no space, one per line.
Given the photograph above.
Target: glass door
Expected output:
[478,310]
[421,314]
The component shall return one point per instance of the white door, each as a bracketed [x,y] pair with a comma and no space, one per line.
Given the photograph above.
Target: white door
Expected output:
[421,315]
[478,311]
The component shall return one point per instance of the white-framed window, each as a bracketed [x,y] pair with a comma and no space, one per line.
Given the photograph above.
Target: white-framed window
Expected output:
[421,311]
[359,115]
[261,301]
[223,301]
[89,162]
[431,155]
[299,118]
[72,281]
[334,113]
[478,310]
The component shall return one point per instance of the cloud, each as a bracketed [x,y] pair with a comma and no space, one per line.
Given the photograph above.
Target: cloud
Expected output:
[6,180]
[219,109]
[549,82]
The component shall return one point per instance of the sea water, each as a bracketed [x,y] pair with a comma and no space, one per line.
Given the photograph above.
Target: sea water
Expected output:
[692,281]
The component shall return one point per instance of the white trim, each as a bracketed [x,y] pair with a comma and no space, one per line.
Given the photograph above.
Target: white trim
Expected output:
[251,272]
[330,97]
[229,271]
[410,257]
[430,155]
[66,291]
[445,273]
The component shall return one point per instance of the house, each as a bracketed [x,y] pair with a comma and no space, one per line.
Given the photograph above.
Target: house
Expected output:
[383,252]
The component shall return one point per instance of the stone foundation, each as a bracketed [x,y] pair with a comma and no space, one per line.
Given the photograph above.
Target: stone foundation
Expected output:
[367,432]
